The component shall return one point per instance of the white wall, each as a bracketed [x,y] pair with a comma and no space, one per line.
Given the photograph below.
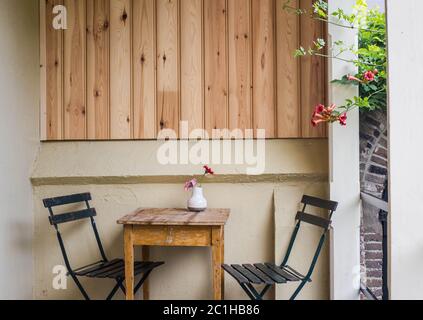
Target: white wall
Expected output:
[345,180]
[19,99]
[405,50]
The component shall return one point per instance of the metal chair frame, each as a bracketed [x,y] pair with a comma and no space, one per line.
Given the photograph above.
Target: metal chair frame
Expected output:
[284,273]
[56,219]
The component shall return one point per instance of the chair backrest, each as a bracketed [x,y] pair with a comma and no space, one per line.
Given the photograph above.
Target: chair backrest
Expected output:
[303,217]
[57,219]
[328,205]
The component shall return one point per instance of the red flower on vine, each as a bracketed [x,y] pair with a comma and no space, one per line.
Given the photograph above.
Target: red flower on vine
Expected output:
[369,76]
[343,119]
[319,108]
[327,114]
[208,170]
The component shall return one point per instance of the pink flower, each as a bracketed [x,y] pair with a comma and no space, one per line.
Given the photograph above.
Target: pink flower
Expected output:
[352,78]
[315,122]
[331,108]
[343,119]
[319,108]
[190,184]
[369,76]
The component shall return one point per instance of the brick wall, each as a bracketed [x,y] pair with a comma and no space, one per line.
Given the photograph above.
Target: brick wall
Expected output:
[373,173]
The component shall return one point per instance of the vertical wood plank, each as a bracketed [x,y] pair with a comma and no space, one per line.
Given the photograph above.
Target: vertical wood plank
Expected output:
[312,74]
[264,94]
[120,69]
[240,62]
[216,65]
[98,46]
[144,69]
[288,73]
[43,72]
[168,65]
[74,71]
[192,108]
[52,54]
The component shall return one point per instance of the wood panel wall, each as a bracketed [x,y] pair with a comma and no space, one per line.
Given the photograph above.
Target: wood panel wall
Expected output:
[125,69]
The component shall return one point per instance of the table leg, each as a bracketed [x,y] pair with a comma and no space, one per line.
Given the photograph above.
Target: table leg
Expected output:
[217,258]
[146,285]
[222,247]
[129,262]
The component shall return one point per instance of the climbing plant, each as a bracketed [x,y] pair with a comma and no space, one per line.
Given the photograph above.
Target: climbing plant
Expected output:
[370,61]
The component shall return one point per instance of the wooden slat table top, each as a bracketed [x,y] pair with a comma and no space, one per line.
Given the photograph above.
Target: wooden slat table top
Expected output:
[176,217]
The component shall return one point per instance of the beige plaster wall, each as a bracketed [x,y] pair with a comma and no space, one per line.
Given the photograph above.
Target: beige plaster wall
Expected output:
[250,233]
[19,141]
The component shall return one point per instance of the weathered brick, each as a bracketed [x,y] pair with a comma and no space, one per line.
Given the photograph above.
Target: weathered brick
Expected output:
[381,152]
[366,137]
[372,237]
[383,142]
[373,171]
[373,264]
[372,121]
[375,178]
[374,283]
[376,246]
[374,255]
[380,161]
[374,273]
[378,170]
[377,292]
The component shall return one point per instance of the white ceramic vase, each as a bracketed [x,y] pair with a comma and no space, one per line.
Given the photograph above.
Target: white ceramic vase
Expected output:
[197,203]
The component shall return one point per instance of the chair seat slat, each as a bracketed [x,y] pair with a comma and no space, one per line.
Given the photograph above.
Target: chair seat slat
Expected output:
[269,272]
[120,272]
[87,269]
[295,272]
[106,269]
[139,267]
[259,274]
[282,272]
[89,266]
[101,266]
[247,274]
[238,277]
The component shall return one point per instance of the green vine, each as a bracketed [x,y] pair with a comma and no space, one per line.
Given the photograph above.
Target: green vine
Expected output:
[371,61]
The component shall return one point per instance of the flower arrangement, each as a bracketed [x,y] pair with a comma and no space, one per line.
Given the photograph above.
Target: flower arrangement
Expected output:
[191,184]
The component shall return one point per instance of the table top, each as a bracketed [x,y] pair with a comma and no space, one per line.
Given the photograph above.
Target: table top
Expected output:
[176,217]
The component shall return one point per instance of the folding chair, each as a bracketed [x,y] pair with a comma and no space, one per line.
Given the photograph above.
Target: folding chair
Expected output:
[269,274]
[112,269]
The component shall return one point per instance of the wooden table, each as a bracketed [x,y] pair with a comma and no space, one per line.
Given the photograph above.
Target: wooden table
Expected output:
[174,228]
